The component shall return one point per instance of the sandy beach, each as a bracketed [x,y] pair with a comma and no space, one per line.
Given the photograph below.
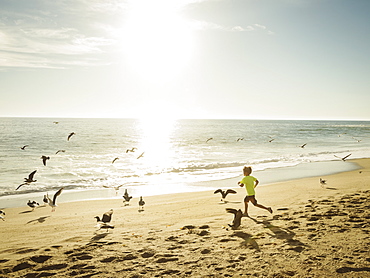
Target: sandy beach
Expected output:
[314,231]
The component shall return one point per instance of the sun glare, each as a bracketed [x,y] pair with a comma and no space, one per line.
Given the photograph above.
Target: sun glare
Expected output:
[158,42]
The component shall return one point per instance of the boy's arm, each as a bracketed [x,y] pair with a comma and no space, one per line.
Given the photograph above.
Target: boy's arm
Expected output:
[256,183]
[240,184]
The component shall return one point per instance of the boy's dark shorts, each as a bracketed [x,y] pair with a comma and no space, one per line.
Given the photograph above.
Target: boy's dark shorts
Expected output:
[251,198]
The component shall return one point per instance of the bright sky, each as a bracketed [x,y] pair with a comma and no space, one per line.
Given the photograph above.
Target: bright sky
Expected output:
[275,59]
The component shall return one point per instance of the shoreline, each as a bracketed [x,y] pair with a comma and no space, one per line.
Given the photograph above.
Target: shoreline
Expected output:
[267,177]
[187,234]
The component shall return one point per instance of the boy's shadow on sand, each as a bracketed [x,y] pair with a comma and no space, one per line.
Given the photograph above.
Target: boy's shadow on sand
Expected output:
[248,240]
[283,234]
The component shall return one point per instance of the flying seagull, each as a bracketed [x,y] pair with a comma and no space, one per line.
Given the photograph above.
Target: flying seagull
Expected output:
[28,180]
[343,158]
[53,203]
[224,193]
[114,160]
[131,150]
[302,146]
[140,156]
[44,158]
[32,204]
[209,139]
[24,147]
[45,200]
[70,135]
[141,204]
[238,214]
[126,198]
[239,139]
[60,151]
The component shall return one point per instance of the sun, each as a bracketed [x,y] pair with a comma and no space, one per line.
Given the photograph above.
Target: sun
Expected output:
[158,41]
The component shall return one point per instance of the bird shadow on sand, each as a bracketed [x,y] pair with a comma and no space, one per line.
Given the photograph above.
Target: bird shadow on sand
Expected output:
[98,236]
[282,234]
[248,240]
[26,211]
[331,188]
[40,219]
[229,202]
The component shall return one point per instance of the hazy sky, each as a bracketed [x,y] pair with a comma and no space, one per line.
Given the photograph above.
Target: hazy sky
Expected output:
[278,59]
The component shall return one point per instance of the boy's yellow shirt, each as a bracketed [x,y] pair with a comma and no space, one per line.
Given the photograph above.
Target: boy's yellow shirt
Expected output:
[248,182]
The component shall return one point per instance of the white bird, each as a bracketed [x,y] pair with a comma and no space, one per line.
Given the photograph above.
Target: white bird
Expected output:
[28,180]
[53,203]
[141,204]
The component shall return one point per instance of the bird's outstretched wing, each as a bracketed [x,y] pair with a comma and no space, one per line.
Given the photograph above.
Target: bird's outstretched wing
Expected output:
[218,191]
[56,195]
[30,176]
[19,186]
[230,191]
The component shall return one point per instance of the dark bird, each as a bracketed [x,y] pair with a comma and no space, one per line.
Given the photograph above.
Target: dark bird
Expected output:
[45,200]
[44,158]
[343,158]
[53,203]
[70,135]
[271,140]
[239,139]
[24,147]
[56,123]
[131,150]
[238,214]
[32,204]
[322,182]
[107,217]
[28,180]
[209,139]
[358,140]
[114,160]
[141,204]
[302,146]
[60,151]
[126,198]
[140,156]
[224,193]
[2,215]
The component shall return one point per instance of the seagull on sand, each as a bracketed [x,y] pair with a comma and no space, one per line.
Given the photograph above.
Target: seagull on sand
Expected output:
[32,204]
[224,193]
[53,203]
[24,147]
[141,204]
[343,158]
[322,182]
[238,214]
[70,135]
[44,158]
[28,180]
[2,215]
[126,198]
[45,200]
[209,139]
[60,151]
[114,160]
[103,222]
[107,217]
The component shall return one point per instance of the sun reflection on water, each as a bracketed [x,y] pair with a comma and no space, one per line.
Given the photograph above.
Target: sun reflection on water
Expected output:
[156,144]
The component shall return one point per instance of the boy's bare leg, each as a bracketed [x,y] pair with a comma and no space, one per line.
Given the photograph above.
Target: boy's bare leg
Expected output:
[245,209]
[263,207]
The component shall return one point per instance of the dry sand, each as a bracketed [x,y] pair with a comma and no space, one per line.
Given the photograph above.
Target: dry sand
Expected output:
[313,232]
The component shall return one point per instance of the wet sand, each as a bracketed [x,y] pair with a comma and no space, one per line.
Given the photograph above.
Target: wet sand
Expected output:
[314,231]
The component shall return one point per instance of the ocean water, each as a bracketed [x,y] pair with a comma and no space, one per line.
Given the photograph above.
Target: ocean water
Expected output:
[176,155]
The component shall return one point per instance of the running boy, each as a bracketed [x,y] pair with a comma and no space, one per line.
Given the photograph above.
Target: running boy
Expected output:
[250,183]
